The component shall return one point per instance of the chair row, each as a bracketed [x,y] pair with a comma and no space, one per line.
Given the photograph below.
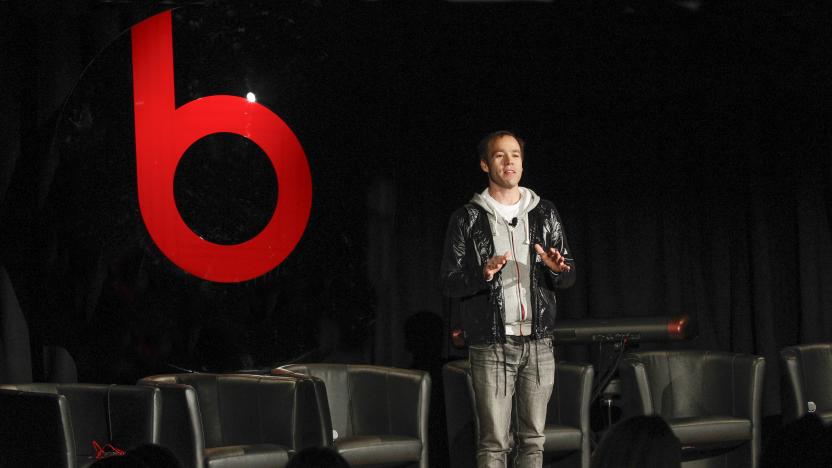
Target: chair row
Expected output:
[378,415]
[711,400]
[371,414]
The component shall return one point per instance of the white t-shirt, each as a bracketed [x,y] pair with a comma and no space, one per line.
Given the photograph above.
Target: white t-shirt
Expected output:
[508,212]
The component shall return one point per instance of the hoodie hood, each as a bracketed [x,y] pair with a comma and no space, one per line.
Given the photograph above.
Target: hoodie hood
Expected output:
[528,201]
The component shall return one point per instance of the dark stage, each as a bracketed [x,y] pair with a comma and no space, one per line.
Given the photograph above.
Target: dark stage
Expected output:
[686,146]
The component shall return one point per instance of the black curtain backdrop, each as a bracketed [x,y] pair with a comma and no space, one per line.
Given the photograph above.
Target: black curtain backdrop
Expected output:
[687,150]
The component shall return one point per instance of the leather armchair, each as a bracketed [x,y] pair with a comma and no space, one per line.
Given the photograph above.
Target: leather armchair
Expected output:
[230,420]
[807,378]
[379,413]
[567,417]
[711,400]
[59,423]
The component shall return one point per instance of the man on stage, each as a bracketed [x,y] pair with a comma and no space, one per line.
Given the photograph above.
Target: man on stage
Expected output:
[505,254]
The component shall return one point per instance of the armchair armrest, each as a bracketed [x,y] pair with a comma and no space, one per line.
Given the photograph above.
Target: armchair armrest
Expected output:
[746,371]
[751,372]
[569,405]
[180,427]
[637,398]
[792,393]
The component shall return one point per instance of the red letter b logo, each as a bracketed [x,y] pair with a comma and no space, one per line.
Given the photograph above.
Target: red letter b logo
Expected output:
[163,133]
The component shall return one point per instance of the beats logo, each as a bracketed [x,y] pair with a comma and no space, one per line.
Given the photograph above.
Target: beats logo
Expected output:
[164,133]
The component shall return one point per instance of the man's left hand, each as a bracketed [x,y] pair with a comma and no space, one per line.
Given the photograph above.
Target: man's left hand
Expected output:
[552,259]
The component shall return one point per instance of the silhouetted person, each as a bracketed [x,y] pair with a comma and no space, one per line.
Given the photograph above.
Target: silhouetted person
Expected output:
[424,337]
[638,442]
[337,343]
[220,347]
[804,443]
[318,457]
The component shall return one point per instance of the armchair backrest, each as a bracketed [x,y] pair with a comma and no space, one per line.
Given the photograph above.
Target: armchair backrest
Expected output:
[181,423]
[240,409]
[691,383]
[807,372]
[373,400]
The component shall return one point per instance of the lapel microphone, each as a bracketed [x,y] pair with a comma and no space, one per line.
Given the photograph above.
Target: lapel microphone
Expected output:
[513,222]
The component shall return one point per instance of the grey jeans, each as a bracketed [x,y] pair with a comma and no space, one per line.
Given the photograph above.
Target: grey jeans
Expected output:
[523,371]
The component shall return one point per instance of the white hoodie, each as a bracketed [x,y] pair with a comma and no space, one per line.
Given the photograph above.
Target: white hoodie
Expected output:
[512,235]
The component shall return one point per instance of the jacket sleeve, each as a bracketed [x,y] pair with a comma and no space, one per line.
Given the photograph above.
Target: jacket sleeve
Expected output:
[559,280]
[461,274]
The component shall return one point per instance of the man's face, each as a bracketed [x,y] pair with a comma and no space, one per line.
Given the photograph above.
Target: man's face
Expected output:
[505,162]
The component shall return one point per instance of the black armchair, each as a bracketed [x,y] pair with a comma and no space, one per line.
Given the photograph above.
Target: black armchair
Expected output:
[379,413]
[567,417]
[807,386]
[711,400]
[230,420]
[55,424]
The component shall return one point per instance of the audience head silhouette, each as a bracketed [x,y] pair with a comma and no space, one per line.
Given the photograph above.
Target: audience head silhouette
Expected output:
[318,457]
[804,443]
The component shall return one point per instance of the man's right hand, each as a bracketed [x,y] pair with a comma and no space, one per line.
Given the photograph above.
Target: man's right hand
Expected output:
[493,265]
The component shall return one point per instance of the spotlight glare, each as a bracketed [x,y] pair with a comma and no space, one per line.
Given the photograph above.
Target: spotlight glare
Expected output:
[250,96]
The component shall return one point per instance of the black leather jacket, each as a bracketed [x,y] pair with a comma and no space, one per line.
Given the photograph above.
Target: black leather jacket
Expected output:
[468,245]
